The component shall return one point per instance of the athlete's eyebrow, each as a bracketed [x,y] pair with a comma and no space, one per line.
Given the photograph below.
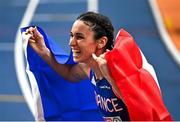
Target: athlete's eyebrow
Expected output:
[76,34]
[79,34]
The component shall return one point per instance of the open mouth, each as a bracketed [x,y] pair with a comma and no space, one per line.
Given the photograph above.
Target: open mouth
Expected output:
[76,52]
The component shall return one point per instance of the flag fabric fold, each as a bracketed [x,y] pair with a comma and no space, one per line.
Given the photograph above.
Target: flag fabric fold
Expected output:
[136,80]
[54,97]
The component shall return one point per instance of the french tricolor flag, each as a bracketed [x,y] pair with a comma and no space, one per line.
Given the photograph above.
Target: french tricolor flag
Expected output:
[58,99]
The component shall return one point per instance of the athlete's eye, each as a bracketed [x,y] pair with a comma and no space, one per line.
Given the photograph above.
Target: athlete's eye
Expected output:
[71,35]
[79,37]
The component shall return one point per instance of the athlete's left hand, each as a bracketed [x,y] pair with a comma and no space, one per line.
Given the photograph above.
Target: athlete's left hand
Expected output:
[105,71]
[102,64]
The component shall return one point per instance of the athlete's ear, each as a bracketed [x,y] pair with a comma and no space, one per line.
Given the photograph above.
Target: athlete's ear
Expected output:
[102,42]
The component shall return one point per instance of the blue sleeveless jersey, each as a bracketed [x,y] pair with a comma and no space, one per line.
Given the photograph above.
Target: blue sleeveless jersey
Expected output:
[111,106]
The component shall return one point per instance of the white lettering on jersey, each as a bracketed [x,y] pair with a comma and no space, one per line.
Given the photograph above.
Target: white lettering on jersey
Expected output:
[105,103]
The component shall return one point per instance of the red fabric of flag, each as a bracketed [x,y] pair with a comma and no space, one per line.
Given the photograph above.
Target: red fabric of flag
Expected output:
[139,89]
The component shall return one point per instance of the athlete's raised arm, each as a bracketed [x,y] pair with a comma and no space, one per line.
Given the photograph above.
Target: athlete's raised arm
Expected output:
[70,72]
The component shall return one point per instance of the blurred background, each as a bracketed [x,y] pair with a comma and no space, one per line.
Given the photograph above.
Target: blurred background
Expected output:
[56,18]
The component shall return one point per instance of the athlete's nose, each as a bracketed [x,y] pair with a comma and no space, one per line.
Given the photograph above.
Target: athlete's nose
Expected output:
[72,42]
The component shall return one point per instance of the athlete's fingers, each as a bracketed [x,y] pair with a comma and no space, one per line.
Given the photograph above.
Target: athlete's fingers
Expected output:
[31,40]
[30,34]
[29,31]
[102,55]
[32,37]
[94,57]
[37,34]
[100,60]
[98,57]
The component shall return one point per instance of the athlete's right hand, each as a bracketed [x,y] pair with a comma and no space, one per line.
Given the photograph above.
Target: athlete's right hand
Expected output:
[36,41]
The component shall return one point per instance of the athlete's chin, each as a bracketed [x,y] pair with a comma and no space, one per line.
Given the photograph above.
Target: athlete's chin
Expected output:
[80,59]
[77,60]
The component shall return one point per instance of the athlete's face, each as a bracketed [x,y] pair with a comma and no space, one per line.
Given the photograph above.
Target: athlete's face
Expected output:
[82,42]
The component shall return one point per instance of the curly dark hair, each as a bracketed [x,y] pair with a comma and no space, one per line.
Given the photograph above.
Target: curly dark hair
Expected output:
[100,25]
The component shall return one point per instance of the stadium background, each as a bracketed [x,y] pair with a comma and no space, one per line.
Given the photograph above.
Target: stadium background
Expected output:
[56,18]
